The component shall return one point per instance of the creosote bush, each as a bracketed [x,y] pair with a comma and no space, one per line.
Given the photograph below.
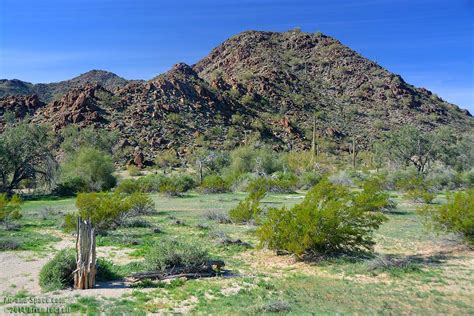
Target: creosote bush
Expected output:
[456,216]
[214,184]
[249,209]
[329,220]
[373,197]
[171,185]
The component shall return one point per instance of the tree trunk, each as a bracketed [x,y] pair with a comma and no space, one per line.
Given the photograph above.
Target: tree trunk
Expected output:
[84,277]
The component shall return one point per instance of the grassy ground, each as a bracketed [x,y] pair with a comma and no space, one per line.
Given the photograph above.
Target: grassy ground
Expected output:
[412,271]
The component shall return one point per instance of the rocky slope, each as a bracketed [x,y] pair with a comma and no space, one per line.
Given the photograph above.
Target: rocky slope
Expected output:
[262,87]
[49,91]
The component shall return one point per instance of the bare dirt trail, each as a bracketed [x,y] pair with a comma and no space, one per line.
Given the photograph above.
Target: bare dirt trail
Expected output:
[19,270]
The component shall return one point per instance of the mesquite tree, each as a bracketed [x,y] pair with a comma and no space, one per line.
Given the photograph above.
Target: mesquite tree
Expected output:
[25,155]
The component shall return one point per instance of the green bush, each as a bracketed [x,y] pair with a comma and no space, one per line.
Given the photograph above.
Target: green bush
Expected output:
[129,186]
[279,182]
[175,185]
[327,221]
[10,209]
[456,216]
[168,254]
[373,197]
[133,171]
[259,161]
[420,195]
[94,167]
[214,184]
[249,209]
[57,274]
[108,210]
[70,187]
[172,184]
[309,179]
[150,183]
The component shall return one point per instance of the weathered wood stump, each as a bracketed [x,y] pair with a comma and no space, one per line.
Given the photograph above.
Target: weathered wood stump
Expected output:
[84,277]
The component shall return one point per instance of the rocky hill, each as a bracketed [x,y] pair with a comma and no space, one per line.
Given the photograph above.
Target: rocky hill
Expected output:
[262,87]
[48,92]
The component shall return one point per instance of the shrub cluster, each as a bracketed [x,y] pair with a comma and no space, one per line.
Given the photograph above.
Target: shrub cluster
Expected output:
[108,210]
[249,209]
[166,254]
[328,220]
[456,216]
[214,184]
[279,182]
[171,184]
[87,170]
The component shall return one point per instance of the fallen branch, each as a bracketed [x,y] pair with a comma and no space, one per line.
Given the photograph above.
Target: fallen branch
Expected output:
[209,269]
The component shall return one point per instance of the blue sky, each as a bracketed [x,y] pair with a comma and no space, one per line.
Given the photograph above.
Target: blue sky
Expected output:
[429,42]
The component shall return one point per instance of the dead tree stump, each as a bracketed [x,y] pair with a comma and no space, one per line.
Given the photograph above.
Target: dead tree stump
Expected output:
[84,277]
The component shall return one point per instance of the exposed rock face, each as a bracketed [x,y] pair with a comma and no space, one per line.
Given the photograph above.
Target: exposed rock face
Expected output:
[262,87]
[79,106]
[19,106]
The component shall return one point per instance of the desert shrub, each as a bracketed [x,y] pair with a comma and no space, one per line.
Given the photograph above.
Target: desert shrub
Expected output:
[108,210]
[421,195]
[327,221]
[214,184]
[92,166]
[175,185]
[57,274]
[10,210]
[341,178]
[262,161]
[133,171]
[309,179]
[274,184]
[107,270]
[395,178]
[275,307]
[373,197]
[219,217]
[70,187]
[137,222]
[467,179]
[75,138]
[456,216]
[166,254]
[406,180]
[249,209]
[443,179]
[129,186]
[150,183]
[9,244]
[167,159]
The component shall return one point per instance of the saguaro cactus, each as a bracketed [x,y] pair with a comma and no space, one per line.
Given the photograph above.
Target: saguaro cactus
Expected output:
[84,277]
